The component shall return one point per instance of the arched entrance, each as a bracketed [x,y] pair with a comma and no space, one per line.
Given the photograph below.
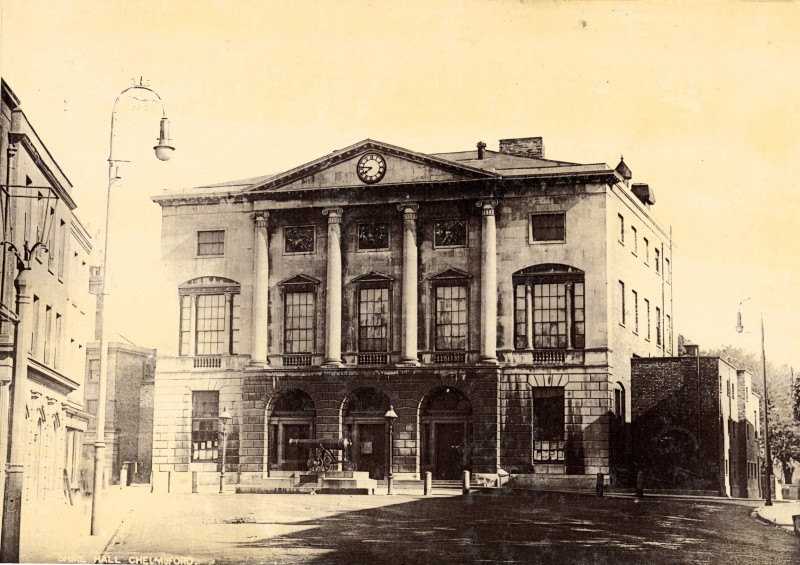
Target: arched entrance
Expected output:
[446,433]
[365,425]
[293,417]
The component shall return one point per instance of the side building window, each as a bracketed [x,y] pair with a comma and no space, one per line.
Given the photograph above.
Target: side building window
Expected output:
[209,317]
[548,227]
[211,242]
[658,325]
[548,425]
[549,307]
[205,425]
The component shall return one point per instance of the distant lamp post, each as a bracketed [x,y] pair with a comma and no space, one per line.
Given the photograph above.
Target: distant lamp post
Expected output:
[740,329]
[224,418]
[390,417]
[163,152]
[15,466]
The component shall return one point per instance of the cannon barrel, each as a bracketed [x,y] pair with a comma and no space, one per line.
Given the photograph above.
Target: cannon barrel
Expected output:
[339,444]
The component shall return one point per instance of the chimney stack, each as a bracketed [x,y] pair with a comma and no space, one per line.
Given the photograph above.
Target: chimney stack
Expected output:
[532,147]
[481,147]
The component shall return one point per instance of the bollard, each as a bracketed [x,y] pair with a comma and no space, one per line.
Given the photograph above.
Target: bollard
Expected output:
[640,484]
[426,488]
[194,482]
[123,477]
[599,487]
[465,483]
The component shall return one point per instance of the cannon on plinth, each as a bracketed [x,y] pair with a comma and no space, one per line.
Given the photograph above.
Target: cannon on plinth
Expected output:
[321,454]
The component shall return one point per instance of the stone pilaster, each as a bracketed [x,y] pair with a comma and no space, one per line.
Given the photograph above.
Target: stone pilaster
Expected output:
[488,343]
[409,315]
[333,288]
[260,291]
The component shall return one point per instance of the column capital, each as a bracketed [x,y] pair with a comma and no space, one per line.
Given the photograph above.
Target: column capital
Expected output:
[487,206]
[260,218]
[409,210]
[334,215]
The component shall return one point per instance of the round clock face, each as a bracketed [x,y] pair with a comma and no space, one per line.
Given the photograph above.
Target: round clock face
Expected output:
[371,168]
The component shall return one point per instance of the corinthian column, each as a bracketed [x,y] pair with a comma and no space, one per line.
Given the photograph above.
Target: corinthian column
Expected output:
[488,351]
[260,290]
[333,287]
[409,311]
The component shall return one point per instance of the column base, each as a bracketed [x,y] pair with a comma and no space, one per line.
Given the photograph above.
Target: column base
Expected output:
[488,360]
[409,362]
[331,364]
[255,365]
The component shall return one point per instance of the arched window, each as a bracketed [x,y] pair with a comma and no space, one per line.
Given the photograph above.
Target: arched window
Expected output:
[210,319]
[549,307]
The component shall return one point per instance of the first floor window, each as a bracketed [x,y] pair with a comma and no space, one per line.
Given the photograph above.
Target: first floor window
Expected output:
[548,424]
[622,303]
[451,318]
[549,308]
[647,310]
[210,324]
[635,311]
[205,425]
[373,318]
[210,318]
[298,332]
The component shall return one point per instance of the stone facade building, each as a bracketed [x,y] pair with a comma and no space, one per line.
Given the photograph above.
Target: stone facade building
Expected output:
[61,308]
[493,298]
[695,424]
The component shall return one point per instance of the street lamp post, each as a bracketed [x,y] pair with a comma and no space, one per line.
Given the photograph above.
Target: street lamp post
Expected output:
[225,417]
[163,152]
[740,328]
[15,466]
[390,417]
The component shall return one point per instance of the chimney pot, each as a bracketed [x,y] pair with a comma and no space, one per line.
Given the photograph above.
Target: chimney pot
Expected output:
[481,147]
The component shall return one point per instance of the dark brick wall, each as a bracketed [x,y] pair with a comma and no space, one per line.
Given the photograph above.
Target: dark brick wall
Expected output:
[668,395]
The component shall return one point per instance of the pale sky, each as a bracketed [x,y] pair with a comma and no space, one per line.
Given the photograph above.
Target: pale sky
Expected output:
[701,98]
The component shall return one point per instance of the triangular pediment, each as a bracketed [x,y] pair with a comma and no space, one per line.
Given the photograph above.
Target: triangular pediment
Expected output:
[340,170]
[372,276]
[450,274]
[298,280]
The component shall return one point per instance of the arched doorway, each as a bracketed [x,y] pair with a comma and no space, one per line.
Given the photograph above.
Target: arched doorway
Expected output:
[293,417]
[446,433]
[365,425]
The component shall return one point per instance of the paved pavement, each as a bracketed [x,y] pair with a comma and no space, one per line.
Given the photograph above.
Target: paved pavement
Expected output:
[59,533]
[522,527]
[780,513]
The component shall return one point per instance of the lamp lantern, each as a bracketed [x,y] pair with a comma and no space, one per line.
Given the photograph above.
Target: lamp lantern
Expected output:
[164,149]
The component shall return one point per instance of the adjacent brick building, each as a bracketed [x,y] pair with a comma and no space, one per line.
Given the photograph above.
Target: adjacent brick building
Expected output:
[129,411]
[494,299]
[695,425]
